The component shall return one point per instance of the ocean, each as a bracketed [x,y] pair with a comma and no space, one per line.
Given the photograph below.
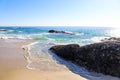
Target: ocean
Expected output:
[40,58]
[83,35]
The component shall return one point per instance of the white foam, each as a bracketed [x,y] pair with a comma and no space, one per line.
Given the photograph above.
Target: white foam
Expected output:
[14,36]
[40,58]
[75,33]
[97,39]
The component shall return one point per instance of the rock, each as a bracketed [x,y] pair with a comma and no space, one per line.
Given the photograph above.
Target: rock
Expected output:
[65,51]
[5,30]
[111,39]
[52,31]
[101,57]
[64,32]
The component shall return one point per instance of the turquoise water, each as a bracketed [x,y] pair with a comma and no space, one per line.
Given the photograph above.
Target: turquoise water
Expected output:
[83,35]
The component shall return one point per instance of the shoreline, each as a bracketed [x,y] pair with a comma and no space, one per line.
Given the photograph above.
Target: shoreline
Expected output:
[13,64]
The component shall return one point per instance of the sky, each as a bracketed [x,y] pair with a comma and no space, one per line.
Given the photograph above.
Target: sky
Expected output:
[105,13]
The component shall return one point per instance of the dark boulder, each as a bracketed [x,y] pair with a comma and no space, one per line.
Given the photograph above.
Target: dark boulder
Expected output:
[52,31]
[65,51]
[101,57]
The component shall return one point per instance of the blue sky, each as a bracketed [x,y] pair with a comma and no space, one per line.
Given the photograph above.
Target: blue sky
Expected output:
[60,13]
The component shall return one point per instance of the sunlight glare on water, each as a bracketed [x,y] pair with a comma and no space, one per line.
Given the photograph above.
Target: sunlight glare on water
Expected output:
[115,32]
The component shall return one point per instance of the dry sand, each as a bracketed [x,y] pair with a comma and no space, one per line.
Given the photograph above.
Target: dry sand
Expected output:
[13,64]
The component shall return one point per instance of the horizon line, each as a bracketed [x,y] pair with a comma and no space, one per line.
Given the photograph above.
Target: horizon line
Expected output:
[47,26]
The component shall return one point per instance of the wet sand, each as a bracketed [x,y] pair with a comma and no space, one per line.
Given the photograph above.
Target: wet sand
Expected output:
[13,64]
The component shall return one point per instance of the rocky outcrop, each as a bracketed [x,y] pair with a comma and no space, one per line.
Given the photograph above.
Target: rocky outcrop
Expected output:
[111,39]
[52,31]
[65,51]
[5,30]
[101,57]
[64,32]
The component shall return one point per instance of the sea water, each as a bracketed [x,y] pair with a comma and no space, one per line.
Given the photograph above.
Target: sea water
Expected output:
[40,58]
[83,35]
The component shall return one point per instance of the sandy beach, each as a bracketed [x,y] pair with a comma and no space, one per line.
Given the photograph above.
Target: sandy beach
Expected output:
[13,64]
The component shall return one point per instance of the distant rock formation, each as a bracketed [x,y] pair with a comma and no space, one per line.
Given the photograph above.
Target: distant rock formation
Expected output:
[64,32]
[101,57]
[111,39]
[5,30]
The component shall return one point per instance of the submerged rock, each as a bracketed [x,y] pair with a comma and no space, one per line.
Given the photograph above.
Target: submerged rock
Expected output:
[101,57]
[5,30]
[64,32]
